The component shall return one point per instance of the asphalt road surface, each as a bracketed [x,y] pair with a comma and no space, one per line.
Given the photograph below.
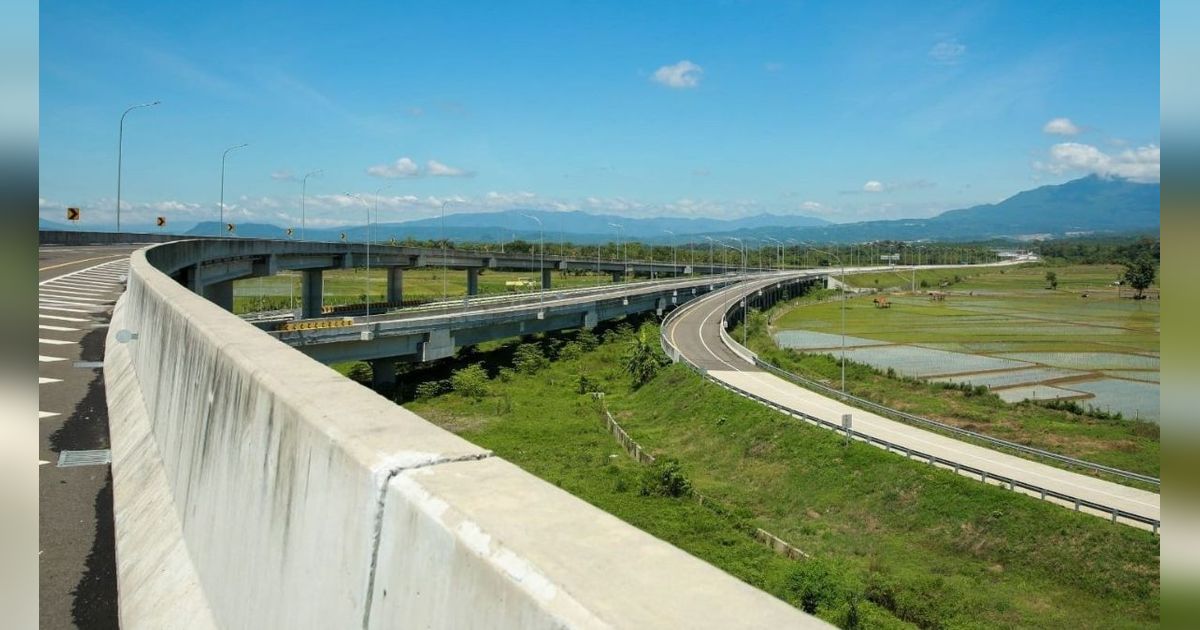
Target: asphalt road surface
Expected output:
[76,289]
[695,332]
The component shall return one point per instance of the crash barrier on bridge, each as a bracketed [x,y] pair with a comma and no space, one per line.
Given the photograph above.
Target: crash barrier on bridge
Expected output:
[255,487]
[315,324]
[379,307]
[1004,481]
[77,238]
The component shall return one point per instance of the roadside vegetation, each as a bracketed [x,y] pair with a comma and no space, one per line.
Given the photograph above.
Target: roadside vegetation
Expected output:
[892,543]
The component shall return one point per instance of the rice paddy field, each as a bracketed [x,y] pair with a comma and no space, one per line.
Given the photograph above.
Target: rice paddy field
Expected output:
[1086,341]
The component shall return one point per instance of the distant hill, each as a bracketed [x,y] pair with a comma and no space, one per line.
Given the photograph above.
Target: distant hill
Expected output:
[1087,205]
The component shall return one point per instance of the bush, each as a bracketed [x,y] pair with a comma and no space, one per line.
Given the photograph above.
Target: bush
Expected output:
[813,585]
[587,385]
[570,351]
[529,359]
[429,389]
[643,361]
[361,372]
[586,339]
[665,479]
[471,381]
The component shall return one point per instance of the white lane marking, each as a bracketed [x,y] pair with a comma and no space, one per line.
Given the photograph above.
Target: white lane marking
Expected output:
[64,287]
[57,328]
[42,462]
[55,342]
[78,272]
[64,309]
[42,380]
[42,415]
[86,284]
[64,318]
[45,359]
[74,297]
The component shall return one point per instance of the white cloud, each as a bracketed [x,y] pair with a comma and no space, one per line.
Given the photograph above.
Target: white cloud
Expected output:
[1139,165]
[947,52]
[403,167]
[407,168]
[1061,127]
[873,186]
[436,169]
[283,176]
[812,205]
[684,74]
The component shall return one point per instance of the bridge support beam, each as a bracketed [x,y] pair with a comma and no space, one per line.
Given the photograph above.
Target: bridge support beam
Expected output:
[547,274]
[472,281]
[395,285]
[383,374]
[617,276]
[311,289]
[220,293]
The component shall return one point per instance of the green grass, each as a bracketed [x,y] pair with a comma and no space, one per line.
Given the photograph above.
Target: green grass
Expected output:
[911,544]
[1012,318]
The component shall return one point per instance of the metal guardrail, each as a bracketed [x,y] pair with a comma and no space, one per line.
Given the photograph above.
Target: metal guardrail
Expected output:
[909,453]
[874,406]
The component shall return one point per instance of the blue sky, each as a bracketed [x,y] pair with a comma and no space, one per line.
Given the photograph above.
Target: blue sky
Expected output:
[846,111]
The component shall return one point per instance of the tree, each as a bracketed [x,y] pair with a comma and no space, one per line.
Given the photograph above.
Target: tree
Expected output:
[643,361]
[1139,274]
[1052,279]
[471,381]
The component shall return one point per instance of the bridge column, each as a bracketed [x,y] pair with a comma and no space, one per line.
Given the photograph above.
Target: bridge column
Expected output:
[395,285]
[220,293]
[617,276]
[383,374]
[311,287]
[546,275]
[472,281]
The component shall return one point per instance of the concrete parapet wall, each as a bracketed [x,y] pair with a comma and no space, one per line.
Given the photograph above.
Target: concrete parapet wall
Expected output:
[255,487]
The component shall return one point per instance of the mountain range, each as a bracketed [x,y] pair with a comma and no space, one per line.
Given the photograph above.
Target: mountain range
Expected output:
[1083,206]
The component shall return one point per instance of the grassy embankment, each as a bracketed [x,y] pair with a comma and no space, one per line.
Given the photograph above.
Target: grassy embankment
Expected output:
[898,543]
[348,286]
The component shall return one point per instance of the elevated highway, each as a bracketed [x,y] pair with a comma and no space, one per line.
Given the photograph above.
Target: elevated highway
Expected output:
[695,334]
[255,487]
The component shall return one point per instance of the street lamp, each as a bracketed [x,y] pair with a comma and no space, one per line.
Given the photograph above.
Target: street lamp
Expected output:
[843,291]
[541,260]
[367,295]
[303,193]
[779,251]
[710,255]
[674,259]
[120,149]
[221,224]
[621,246]
[377,191]
[444,270]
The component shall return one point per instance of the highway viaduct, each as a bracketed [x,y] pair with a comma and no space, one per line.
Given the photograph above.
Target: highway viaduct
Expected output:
[252,486]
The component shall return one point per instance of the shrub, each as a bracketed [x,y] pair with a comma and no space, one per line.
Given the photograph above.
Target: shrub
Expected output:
[813,585]
[643,361]
[665,479]
[429,389]
[586,339]
[570,351]
[587,385]
[529,359]
[471,381]
[361,372]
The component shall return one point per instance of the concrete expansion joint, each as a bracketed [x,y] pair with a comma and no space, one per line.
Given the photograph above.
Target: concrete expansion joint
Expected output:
[381,503]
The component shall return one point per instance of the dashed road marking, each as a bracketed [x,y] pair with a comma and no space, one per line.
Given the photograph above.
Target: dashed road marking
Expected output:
[42,415]
[45,359]
[55,342]
[64,318]
[57,328]
[42,380]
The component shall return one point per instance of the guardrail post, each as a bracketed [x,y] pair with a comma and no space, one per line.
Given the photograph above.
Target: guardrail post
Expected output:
[1114,513]
[1076,505]
[1043,494]
[983,476]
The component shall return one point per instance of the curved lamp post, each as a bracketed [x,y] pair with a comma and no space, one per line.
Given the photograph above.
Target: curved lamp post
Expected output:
[221,224]
[303,194]
[120,150]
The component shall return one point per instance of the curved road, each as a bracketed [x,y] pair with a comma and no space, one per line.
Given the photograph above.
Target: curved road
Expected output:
[696,332]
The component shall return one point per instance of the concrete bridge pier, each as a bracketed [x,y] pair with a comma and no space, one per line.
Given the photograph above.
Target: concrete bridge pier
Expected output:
[472,281]
[311,289]
[395,285]
[383,374]
[617,276]
[220,293]
[546,276]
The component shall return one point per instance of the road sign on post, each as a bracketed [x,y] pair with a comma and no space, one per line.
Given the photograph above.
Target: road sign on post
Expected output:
[72,214]
[289,232]
[161,221]
[229,227]
[847,419]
